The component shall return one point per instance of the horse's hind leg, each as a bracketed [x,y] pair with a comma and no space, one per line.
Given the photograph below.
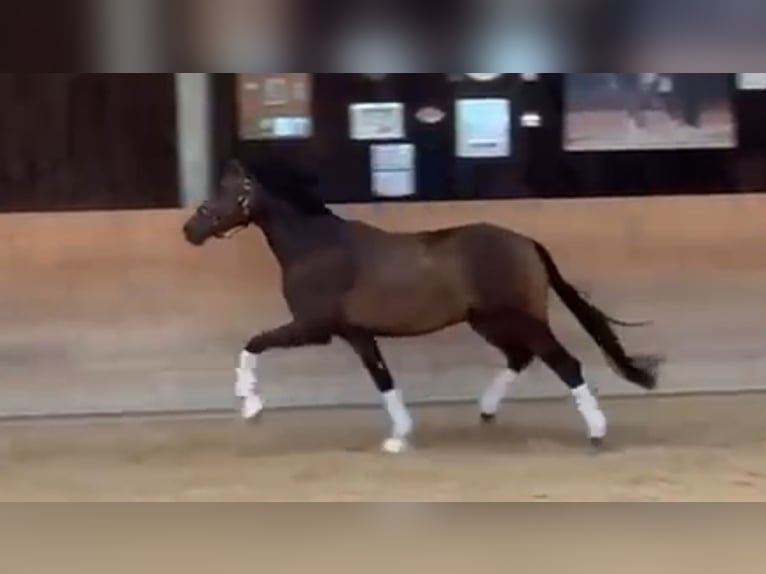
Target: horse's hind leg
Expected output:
[545,345]
[498,332]
[518,359]
[522,337]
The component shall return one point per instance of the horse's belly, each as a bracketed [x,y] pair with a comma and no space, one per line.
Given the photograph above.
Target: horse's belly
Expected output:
[418,319]
[406,310]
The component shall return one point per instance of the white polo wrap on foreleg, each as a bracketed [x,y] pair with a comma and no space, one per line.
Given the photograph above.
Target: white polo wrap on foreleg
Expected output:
[246,386]
[401,422]
[247,376]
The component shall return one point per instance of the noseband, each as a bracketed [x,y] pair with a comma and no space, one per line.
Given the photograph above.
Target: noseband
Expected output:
[231,232]
[245,204]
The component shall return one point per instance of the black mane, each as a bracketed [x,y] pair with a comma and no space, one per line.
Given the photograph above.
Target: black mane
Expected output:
[292,184]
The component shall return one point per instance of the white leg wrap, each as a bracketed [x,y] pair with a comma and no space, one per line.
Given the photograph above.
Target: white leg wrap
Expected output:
[493,397]
[248,360]
[246,386]
[401,422]
[246,383]
[590,411]
[247,377]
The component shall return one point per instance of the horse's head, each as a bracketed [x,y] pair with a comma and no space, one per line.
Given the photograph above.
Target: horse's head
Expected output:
[234,207]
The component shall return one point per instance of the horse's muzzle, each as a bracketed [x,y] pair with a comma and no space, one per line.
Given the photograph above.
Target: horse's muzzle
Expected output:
[193,235]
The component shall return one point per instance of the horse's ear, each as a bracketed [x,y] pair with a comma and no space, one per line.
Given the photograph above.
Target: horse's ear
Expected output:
[235,168]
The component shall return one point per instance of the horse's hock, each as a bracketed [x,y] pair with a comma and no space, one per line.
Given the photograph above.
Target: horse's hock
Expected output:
[108,312]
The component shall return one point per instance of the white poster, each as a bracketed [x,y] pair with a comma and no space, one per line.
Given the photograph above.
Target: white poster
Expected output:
[483,128]
[393,170]
[377,121]
[751,81]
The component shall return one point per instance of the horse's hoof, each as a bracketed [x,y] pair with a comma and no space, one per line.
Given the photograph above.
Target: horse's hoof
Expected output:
[597,445]
[252,409]
[395,446]
[488,419]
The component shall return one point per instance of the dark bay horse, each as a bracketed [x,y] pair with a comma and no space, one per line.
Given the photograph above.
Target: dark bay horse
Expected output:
[348,280]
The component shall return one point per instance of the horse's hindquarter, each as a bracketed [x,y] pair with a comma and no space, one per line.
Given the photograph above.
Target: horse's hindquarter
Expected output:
[406,284]
[504,269]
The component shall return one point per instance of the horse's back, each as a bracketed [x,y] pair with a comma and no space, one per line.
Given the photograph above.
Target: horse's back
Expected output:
[405,283]
[477,247]
[501,265]
[426,280]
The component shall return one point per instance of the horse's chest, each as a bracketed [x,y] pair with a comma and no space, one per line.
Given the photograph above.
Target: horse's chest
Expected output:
[315,285]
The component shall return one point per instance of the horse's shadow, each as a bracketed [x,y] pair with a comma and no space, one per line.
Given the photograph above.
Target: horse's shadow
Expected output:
[499,438]
[509,437]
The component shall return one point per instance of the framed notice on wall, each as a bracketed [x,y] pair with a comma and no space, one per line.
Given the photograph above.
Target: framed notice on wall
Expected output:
[377,121]
[483,128]
[274,106]
[393,169]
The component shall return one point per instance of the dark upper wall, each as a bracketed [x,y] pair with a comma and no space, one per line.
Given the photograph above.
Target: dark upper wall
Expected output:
[107,141]
[87,141]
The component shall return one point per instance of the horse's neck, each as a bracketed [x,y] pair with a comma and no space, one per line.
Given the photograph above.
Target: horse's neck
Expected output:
[292,235]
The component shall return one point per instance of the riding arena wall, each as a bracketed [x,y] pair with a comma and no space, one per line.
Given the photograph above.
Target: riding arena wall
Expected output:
[110,312]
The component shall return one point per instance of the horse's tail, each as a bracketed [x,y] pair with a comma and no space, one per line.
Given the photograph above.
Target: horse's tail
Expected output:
[640,370]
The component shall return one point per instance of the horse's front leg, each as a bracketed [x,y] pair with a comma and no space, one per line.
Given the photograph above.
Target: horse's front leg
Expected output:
[290,336]
[368,351]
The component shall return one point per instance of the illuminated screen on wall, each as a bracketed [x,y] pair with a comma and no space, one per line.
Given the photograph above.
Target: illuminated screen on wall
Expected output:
[274,106]
[483,127]
[647,111]
[751,81]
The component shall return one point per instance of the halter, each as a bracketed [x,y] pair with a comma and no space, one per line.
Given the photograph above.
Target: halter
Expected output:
[245,204]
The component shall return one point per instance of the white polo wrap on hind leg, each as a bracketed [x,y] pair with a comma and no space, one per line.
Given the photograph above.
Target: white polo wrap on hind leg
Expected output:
[246,385]
[497,391]
[587,404]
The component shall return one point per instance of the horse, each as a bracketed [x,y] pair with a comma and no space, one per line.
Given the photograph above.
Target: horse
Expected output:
[640,92]
[347,280]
